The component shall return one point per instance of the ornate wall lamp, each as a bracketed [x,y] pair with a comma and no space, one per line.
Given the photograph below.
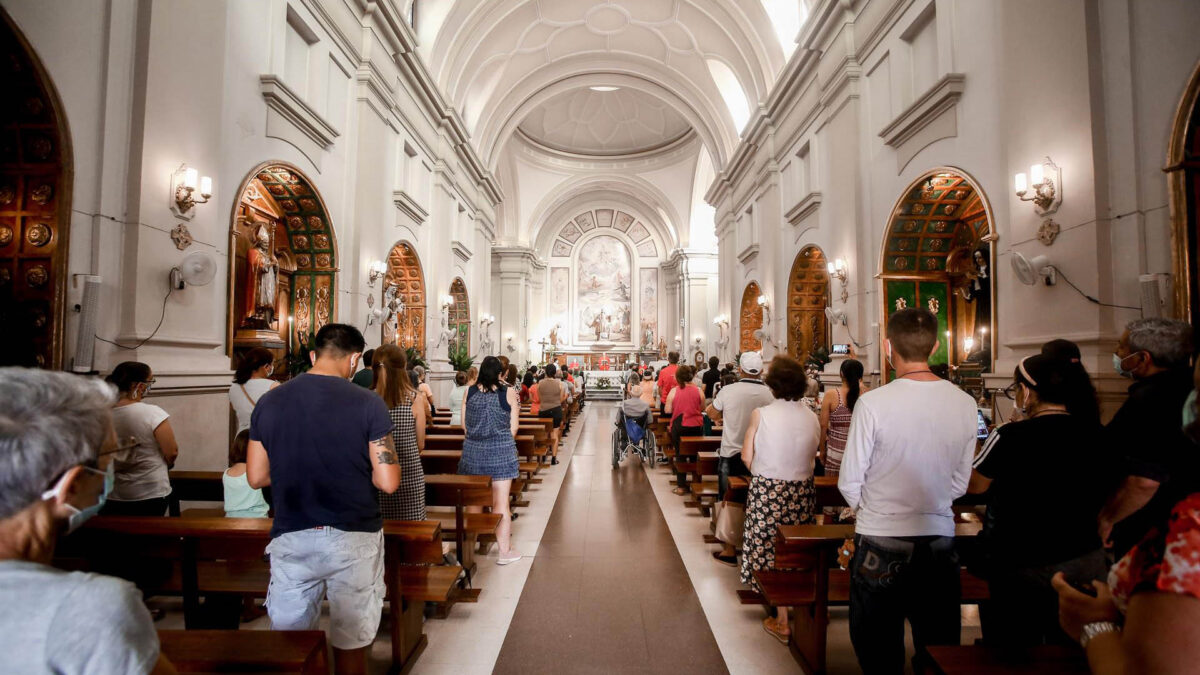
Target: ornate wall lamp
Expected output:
[722,324]
[838,270]
[1046,180]
[375,271]
[764,334]
[185,183]
[510,346]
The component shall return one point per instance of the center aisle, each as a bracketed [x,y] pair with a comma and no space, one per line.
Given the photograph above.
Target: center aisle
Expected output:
[607,591]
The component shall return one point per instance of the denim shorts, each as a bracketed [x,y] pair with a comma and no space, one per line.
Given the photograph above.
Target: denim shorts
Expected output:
[347,567]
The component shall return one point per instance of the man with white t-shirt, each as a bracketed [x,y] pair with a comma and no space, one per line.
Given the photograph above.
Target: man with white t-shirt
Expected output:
[908,457]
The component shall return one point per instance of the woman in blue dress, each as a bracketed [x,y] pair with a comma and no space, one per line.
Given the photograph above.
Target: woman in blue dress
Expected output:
[490,417]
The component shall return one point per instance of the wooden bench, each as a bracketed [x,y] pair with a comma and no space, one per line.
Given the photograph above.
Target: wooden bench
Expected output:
[447,442]
[809,581]
[215,557]
[980,660]
[458,493]
[194,486]
[225,651]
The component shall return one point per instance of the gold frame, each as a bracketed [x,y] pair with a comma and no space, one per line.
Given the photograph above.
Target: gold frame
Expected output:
[1177,196]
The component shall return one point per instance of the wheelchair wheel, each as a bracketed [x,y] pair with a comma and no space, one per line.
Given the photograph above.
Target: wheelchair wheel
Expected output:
[649,449]
[617,442]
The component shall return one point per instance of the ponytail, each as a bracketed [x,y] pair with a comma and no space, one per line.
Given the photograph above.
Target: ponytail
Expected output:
[852,374]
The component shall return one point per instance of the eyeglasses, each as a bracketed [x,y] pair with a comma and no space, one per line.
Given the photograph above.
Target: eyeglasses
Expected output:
[1010,392]
[129,444]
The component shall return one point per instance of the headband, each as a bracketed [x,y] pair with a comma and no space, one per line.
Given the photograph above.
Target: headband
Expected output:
[1025,373]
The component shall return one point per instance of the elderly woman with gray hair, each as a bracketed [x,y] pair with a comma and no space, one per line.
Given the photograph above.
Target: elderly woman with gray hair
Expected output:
[56,444]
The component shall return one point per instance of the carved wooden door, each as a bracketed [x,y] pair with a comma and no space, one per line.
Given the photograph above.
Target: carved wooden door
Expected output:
[404,272]
[808,295]
[35,194]
[750,320]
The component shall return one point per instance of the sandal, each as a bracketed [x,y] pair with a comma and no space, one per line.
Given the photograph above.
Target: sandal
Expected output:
[680,491]
[770,626]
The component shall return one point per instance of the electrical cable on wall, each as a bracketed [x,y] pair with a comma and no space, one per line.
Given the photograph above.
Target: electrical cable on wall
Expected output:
[162,316]
[1088,297]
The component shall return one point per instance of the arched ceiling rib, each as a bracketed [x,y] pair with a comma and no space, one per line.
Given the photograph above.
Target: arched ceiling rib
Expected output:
[485,52]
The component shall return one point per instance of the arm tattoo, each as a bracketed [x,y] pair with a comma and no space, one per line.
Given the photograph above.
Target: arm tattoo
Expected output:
[387,457]
[385,451]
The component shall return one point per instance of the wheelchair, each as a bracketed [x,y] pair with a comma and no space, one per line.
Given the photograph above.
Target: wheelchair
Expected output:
[623,440]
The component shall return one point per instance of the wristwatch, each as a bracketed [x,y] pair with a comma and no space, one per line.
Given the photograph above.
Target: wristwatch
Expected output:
[1091,630]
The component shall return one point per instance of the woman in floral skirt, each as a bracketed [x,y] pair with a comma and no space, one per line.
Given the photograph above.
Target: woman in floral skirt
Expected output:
[780,448]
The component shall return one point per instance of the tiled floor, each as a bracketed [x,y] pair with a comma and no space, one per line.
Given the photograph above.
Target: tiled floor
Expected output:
[608,592]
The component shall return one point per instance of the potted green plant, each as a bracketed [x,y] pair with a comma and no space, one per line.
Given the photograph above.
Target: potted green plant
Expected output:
[460,357]
[414,358]
[298,361]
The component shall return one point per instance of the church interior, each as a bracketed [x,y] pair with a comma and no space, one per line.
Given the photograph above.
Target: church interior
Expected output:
[590,185]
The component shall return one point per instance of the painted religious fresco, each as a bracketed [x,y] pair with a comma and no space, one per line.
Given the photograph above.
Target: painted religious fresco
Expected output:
[648,307]
[603,304]
[560,293]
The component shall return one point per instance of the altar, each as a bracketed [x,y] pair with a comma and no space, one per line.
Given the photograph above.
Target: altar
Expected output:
[605,384]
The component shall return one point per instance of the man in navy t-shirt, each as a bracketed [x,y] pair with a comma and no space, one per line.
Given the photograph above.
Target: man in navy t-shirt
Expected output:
[324,445]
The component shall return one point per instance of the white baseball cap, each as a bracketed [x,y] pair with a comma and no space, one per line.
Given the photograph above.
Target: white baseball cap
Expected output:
[751,362]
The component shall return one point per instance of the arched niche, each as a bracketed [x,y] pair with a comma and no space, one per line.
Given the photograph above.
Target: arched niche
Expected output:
[807,298]
[750,319]
[938,254]
[280,233]
[1183,168]
[460,315]
[35,207]
[405,276]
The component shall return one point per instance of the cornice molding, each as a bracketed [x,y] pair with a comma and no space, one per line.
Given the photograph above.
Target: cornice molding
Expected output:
[409,206]
[748,254]
[461,251]
[283,100]
[941,97]
[804,208]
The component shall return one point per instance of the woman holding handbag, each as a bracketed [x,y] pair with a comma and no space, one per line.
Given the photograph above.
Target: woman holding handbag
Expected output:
[780,450]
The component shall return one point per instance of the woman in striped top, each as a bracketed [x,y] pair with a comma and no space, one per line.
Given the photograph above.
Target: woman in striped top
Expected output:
[835,415]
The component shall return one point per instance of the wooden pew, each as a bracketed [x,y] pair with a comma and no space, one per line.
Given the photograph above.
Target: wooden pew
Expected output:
[980,660]
[463,528]
[213,556]
[194,486]
[809,580]
[439,462]
[689,448]
[705,492]
[213,651]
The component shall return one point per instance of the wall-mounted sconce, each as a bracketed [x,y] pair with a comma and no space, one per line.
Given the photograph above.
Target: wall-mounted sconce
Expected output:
[486,320]
[764,303]
[838,270]
[185,182]
[447,300]
[1046,180]
[376,270]
[722,324]
[968,344]
[510,346]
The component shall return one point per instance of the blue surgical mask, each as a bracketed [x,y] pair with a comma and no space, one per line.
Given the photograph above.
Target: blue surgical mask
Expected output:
[1119,367]
[81,516]
[1189,411]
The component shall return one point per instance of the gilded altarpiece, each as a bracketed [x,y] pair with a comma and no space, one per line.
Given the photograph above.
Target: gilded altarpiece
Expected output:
[460,315]
[281,228]
[35,194]
[808,295]
[404,274]
[750,319]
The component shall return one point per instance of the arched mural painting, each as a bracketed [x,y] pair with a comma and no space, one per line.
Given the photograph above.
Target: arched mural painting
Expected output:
[35,207]
[460,316]
[937,254]
[406,281]
[604,286]
[808,296]
[283,277]
[1183,167]
[750,319]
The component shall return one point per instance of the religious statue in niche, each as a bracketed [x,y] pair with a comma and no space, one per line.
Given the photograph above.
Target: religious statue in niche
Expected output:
[554,338]
[662,348]
[648,339]
[978,288]
[262,269]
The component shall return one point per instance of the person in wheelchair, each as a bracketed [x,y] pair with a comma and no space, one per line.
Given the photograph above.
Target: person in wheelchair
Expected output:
[635,406]
[633,428]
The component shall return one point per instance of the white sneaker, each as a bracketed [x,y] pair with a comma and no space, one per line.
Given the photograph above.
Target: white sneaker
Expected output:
[510,557]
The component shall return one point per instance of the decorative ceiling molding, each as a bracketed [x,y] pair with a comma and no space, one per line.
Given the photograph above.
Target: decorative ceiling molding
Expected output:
[608,123]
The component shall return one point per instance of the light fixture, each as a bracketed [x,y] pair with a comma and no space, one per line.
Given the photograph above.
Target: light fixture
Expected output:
[510,346]
[968,344]
[603,88]
[763,302]
[185,183]
[838,270]
[447,300]
[376,270]
[1046,180]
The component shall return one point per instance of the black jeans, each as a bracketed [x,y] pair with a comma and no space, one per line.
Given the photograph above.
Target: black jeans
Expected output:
[898,578]
[726,467]
[1022,609]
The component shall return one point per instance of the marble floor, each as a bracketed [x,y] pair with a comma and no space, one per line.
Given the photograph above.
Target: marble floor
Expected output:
[616,578]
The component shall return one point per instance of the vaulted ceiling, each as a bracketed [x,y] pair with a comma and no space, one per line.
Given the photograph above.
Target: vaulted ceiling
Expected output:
[527,64]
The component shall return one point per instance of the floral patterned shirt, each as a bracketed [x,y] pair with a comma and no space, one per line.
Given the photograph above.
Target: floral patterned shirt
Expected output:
[1168,561]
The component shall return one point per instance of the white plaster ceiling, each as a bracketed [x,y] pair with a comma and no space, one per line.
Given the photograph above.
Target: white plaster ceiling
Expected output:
[620,122]
[495,60]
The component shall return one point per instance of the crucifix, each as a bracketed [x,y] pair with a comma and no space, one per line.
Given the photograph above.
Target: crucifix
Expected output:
[543,343]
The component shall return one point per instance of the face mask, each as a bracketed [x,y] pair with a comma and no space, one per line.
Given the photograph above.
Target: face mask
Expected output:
[1189,411]
[889,353]
[1119,367]
[81,516]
